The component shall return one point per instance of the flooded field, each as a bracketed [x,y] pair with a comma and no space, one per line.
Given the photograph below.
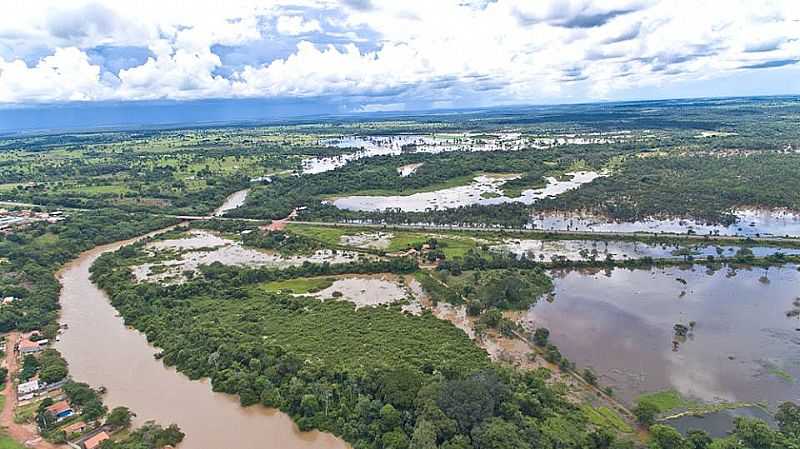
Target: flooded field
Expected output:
[366,291]
[233,201]
[485,189]
[177,256]
[751,222]
[740,346]
[617,249]
[394,145]
[374,240]
[371,146]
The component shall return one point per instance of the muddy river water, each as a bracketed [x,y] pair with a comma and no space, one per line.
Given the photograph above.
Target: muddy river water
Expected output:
[103,352]
[742,346]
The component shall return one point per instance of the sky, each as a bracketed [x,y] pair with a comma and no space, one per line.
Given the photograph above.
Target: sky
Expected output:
[392,55]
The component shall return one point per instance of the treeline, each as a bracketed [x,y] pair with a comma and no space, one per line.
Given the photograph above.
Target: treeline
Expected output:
[699,186]
[379,173]
[161,192]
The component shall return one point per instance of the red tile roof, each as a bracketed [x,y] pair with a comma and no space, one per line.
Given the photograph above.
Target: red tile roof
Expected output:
[59,407]
[95,441]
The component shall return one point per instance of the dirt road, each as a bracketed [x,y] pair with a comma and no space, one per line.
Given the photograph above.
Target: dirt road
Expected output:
[23,433]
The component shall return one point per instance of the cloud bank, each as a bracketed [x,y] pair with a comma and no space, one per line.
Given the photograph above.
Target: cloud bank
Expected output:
[385,54]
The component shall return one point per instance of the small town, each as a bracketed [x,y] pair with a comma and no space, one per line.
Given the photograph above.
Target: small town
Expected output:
[20,218]
[43,407]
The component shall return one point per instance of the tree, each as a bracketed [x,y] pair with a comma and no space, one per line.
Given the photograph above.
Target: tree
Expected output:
[666,437]
[496,433]
[755,434]
[698,439]
[395,439]
[424,436]
[646,413]
[540,336]
[467,401]
[390,417]
[120,417]
[788,418]
[590,376]
[93,411]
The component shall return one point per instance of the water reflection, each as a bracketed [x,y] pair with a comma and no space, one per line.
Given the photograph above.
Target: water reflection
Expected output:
[621,322]
[620,250]
[751,222]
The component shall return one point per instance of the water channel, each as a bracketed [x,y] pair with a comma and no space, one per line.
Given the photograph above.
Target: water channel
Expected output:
[102,351]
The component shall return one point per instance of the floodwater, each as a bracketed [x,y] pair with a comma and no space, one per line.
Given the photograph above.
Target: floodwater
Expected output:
[408,169]
[620,250]
[101,351]
[201,247]
[233,201]
[719,424]
[751,222]
[366,291]
[371,146]
[375,240]
[743,347]
[485,189]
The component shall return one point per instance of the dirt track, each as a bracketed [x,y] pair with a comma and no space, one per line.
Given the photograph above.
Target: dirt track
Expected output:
[23,433]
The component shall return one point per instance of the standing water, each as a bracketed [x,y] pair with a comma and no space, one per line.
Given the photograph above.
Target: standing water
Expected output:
[739,344]
[233,201]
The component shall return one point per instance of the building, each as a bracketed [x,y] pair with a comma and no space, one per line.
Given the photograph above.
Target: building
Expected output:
[30,347]
[94,441]
[28,387]
[61,410]
[76,427]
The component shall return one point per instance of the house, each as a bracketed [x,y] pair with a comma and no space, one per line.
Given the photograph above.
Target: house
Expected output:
[28,387]
[61,410]
[76,427]
[29,347]
[94,442]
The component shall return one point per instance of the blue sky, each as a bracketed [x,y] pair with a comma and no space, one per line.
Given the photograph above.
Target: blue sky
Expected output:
[372,55]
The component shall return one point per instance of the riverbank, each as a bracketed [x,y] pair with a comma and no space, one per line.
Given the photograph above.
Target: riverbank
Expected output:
[102,351]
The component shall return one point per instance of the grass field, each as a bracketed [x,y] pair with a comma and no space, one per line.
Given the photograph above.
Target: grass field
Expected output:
[297,286]
[665,400]
[606,418]
[326,235]
[6,442]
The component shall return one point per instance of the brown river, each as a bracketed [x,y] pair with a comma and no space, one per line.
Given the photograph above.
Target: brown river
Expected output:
[102,351]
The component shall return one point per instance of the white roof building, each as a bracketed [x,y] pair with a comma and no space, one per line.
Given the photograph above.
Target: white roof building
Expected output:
[28,387]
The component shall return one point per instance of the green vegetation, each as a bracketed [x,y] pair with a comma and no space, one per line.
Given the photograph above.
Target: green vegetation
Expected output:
[35,253]
[699,185]
[606,418]
[665,401]
[297,286]
[6,442]
[377,377]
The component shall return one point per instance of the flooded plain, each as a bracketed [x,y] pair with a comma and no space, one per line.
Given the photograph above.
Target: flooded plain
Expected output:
[187,254]
[584,250]
[485,190]
[366,291]
[395,145]
[233,201]
[102,351]
[740,346]
[751,222]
